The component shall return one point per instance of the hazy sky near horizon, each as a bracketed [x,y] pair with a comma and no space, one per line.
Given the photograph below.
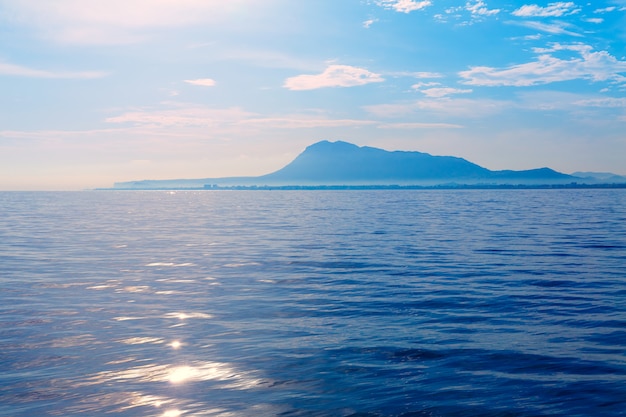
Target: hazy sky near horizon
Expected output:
[95,91]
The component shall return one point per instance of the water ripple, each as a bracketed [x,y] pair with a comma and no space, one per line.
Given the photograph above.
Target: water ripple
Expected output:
[319,303]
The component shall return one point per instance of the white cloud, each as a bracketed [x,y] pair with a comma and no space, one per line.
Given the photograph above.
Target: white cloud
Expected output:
[477,9]
[434,91]
[333,76]
[404,6]
[369,23]
[444,91]
[21,71]
[480,8]
[596,20]
[203,82]
[551,10]
[419,85]
[534,37]
[589,65]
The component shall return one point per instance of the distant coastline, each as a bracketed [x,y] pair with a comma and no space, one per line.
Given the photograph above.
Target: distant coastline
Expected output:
[344,166]
[379,187]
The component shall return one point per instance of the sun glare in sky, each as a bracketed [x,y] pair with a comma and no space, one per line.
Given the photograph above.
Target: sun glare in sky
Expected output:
[96,92]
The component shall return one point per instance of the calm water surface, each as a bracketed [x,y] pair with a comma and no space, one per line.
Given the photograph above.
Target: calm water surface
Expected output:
[313,303]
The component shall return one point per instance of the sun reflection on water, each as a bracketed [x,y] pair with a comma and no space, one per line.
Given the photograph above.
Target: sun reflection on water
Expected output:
[182,374]
[156,370]
[196,371]
[182,316]
[116,403]
[173,315]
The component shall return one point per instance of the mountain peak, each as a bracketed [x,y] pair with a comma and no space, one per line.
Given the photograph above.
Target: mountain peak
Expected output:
[326,145]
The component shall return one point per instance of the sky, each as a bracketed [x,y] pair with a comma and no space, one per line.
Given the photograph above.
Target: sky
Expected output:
[94,92]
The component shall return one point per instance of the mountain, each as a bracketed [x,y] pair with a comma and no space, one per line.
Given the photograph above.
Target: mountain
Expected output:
[606,177]
[342,163]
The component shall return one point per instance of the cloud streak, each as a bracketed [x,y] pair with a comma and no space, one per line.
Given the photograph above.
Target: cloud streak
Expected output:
[304,122]
[21,71]
[333,76]
[438,92]
[419,126]
[184,116]
[189,118]
[203,82]
[554,28]
[604,102]
[440,107]
[605,9]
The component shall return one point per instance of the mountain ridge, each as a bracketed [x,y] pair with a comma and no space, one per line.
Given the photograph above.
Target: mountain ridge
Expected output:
[327,163]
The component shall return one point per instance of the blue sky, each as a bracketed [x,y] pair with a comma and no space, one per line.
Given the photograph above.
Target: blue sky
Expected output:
[95,91]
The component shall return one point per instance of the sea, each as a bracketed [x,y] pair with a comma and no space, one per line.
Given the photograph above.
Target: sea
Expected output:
[362,303]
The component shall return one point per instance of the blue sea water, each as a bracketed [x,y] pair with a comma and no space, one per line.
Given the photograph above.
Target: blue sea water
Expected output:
[313,303]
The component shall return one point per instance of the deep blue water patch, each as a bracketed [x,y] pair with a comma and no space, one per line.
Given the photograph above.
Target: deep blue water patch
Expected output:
[313,303]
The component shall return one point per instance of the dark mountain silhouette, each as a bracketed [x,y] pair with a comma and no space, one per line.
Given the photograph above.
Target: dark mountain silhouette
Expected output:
[342,163]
